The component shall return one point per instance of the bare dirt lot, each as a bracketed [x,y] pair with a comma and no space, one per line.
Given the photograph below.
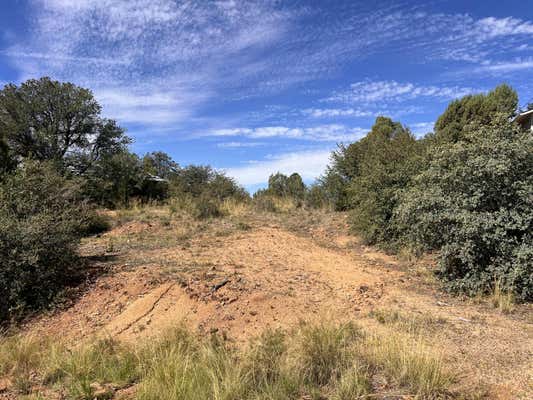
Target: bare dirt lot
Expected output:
[239,275]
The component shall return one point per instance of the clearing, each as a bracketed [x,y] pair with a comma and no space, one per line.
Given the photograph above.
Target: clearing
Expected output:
[238,275]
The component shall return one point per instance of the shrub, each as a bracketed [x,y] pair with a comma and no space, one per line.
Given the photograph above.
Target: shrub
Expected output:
[474,203]
[95,223]
[40,215]
[207,207]
[264,202]
[316,197]
[388,157]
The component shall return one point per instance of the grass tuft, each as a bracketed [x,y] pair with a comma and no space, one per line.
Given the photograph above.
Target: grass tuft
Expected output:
[501,299]
[409,363]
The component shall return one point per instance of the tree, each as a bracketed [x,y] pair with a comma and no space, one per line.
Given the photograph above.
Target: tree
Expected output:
[474,203]
[114,179]
[6,161]
[479,109]
[43,119]
[295,186]
[389,156]
[277,184]
[160,164]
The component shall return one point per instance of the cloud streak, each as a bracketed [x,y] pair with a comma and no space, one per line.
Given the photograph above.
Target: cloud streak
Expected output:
[371,92]
[320,133]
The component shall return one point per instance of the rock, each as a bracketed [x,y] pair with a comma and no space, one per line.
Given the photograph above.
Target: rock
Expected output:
[253,313]
[101,392]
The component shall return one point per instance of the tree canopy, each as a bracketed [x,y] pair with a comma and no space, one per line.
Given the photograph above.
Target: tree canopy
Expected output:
[47,120]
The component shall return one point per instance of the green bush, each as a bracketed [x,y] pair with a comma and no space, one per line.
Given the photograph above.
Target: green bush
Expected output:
[388,157]
[40,224]
[94,223]
[475,204]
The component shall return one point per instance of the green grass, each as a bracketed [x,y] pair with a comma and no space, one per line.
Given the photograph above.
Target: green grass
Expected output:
[327,361]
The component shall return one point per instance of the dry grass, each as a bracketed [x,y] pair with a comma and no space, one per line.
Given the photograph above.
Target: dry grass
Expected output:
[325,361]
[409,363]
[501,299]
[409,322]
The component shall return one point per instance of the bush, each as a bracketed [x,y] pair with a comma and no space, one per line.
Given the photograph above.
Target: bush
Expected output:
[264,202]
[40,216]
[474,203]
[207,207]
[316,197]
[94,223]
[389,156]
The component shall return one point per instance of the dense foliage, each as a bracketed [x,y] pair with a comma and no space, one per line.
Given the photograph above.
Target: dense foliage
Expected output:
[475,204]
[41,219]
[465,190]
[384,162]
[48,120]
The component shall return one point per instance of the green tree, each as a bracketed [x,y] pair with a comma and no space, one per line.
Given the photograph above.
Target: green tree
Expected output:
[43,119]
[295,186]
[41,220]
[277,184]
[386,160]
[160,164]
[114,179]
[475,204]
[475,110]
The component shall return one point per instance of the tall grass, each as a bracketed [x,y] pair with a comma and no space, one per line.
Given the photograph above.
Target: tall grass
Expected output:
[325,361]
[409,364]
[501,299]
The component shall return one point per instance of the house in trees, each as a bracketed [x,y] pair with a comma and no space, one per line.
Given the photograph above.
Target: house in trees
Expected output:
[525,120]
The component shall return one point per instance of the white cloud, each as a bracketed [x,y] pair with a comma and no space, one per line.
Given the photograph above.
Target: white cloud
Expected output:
[421,128]
[233,145]
[336,112]
[331,132]
[188,54]
[493,27]
[371,92]
[510,66]
[309,164]
[148,61]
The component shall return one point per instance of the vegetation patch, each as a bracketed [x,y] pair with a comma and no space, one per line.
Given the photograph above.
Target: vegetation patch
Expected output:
[329,361]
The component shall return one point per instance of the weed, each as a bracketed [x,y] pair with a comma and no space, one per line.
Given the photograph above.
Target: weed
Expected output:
[501,299]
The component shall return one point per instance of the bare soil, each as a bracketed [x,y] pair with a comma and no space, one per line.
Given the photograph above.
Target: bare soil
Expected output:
[238,276]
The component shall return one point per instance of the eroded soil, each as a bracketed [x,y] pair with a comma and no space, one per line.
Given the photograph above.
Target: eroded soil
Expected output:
[242,275]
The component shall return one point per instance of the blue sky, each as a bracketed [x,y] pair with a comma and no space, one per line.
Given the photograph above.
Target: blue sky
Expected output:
[253,87]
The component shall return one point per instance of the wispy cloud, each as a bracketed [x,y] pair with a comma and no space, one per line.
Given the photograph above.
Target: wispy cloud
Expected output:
[370,92]
[336,112]
[237,145]
[309,164]
[509,66]
[494,27]
[327,133]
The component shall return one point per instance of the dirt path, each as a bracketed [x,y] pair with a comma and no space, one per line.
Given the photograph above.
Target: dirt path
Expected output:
[271,277]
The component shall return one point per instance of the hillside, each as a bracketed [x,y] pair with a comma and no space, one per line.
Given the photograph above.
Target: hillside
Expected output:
[237,276]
